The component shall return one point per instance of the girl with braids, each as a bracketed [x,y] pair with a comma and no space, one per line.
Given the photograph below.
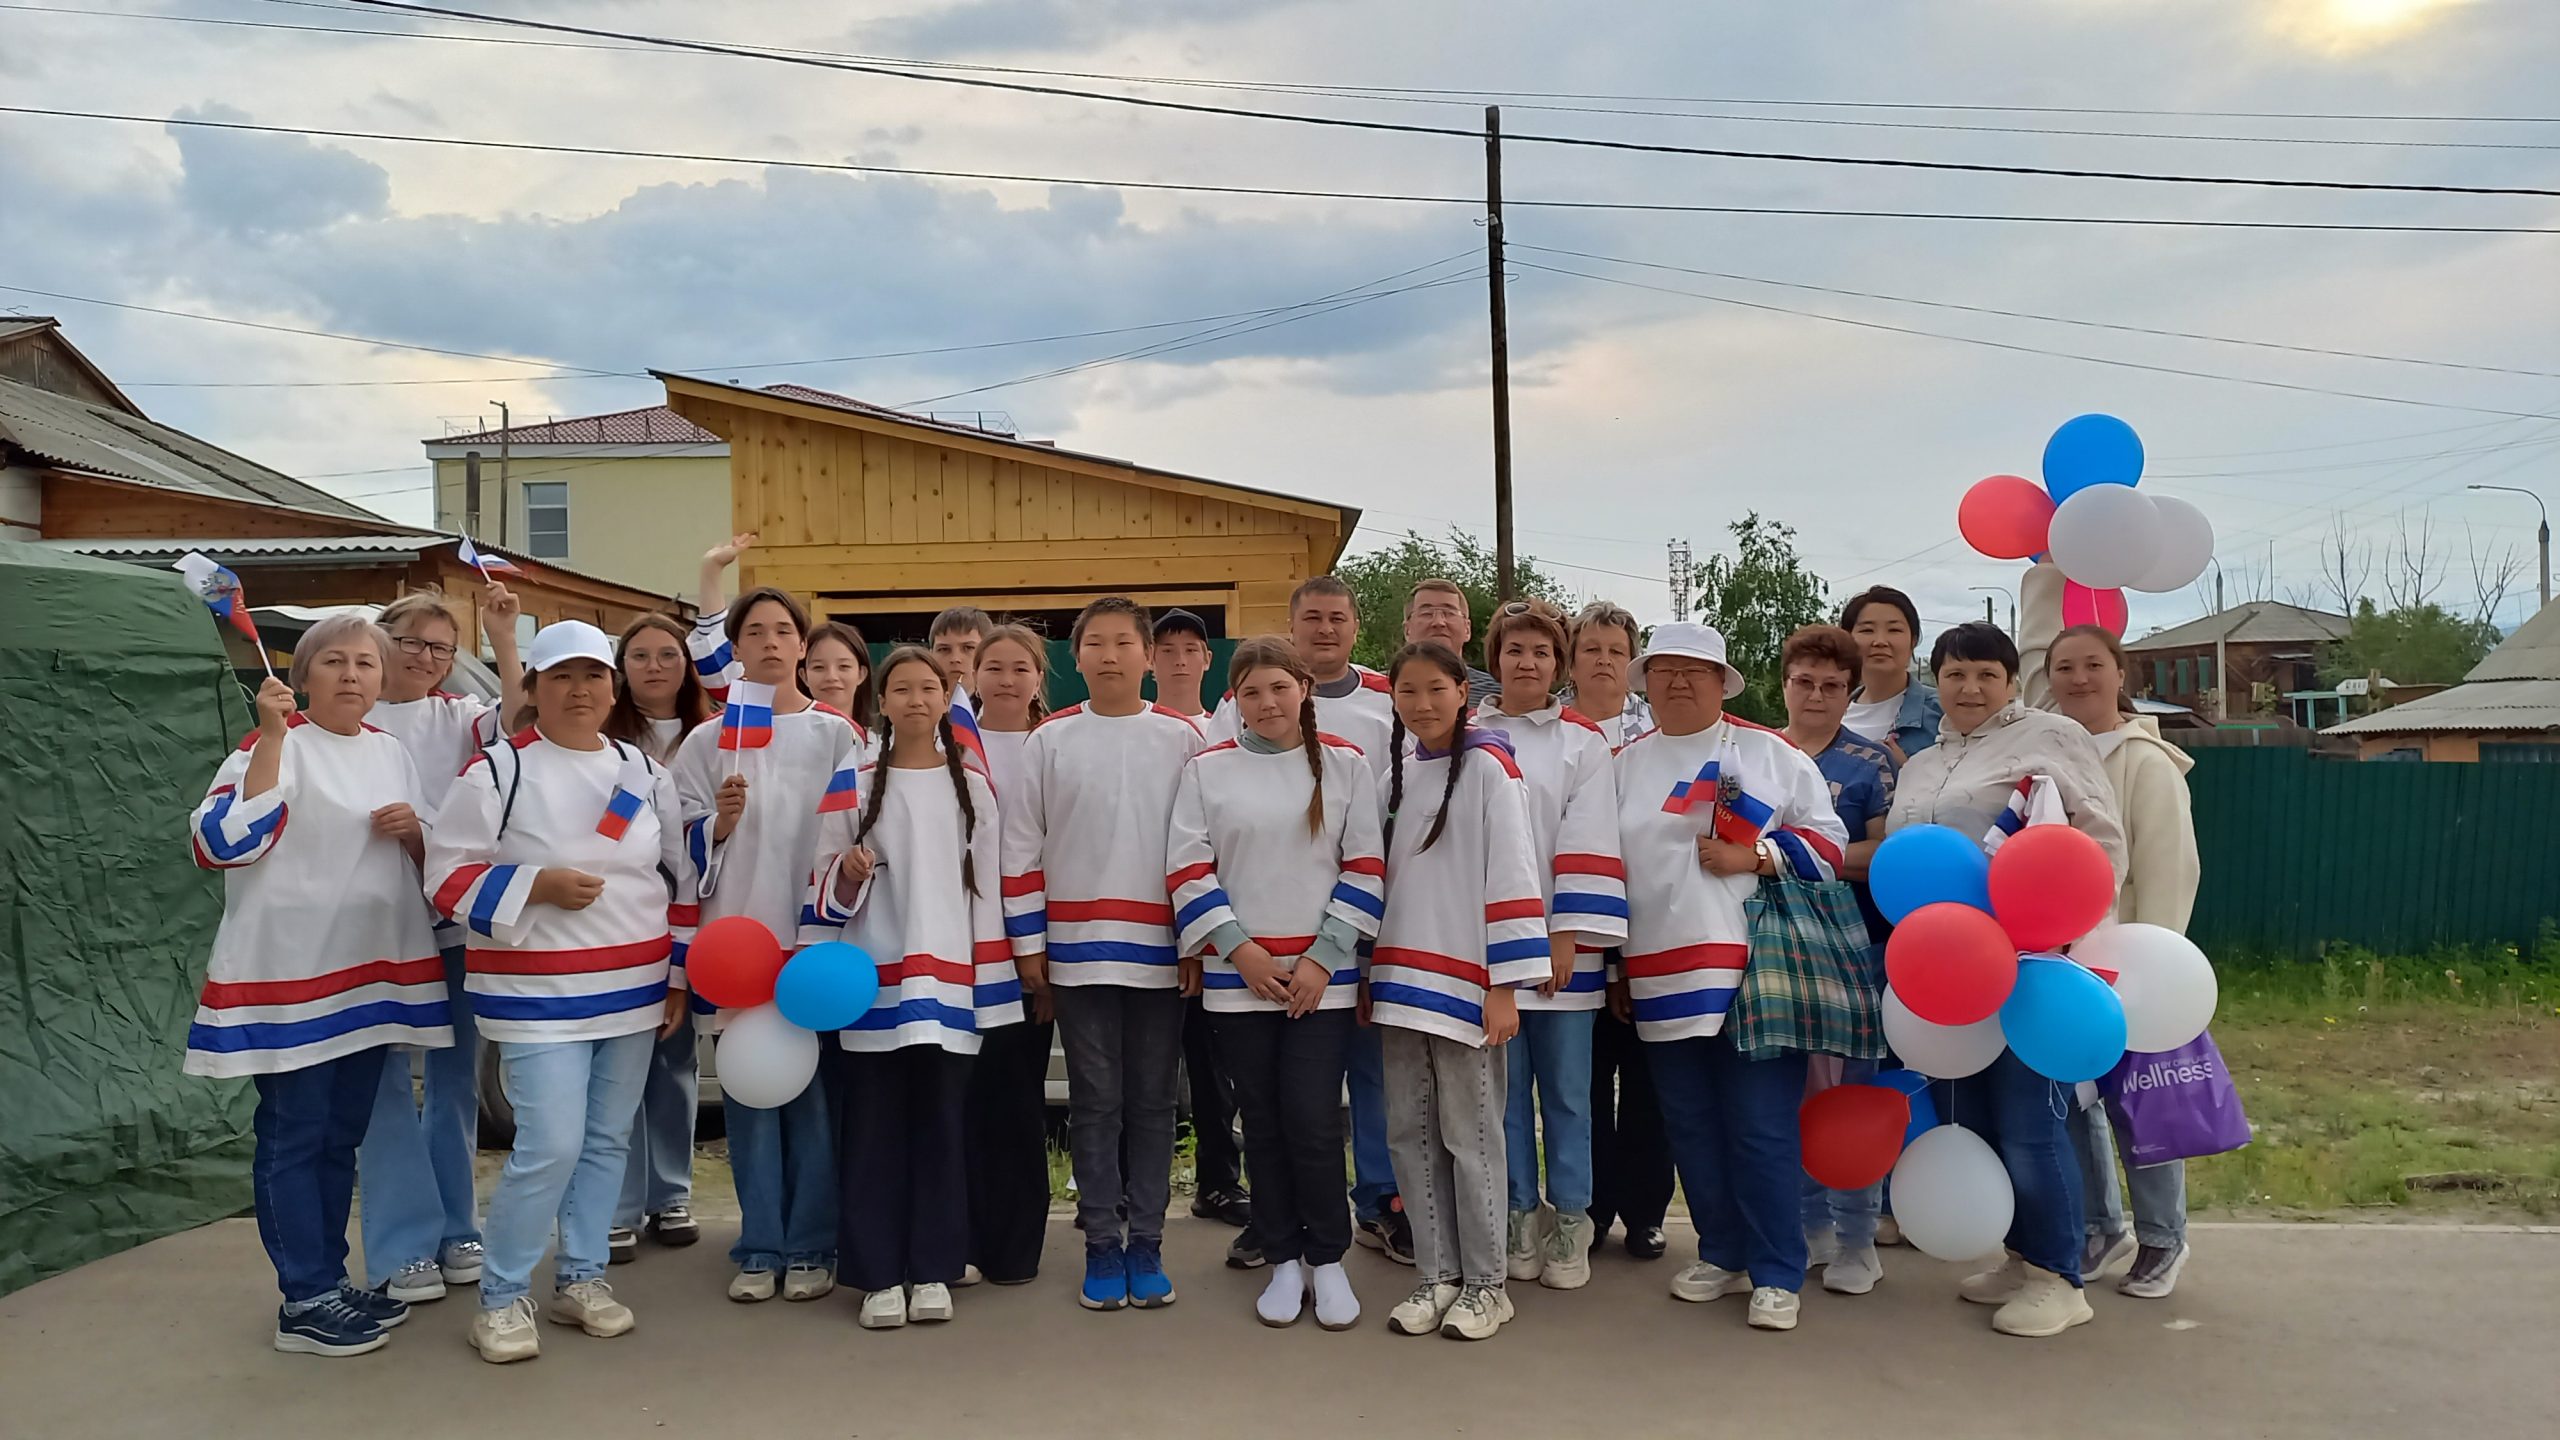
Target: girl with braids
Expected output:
[911,878]
[1276,874]
[1464,924]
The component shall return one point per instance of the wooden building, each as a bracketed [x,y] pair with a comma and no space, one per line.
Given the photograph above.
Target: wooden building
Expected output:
[885,518]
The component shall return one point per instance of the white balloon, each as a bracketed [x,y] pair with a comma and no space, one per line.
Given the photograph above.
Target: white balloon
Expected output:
[2105,537]
[1952,1196]
[1941,1052]
[2186,547]
[2166,983]
[764,1060]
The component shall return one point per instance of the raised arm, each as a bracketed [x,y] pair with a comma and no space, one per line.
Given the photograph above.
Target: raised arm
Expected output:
[244,808]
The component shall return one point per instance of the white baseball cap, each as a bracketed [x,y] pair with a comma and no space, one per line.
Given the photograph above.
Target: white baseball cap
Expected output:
[1689,641]
[568,640]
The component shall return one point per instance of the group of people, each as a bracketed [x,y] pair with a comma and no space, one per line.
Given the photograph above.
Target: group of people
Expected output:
[1507,910]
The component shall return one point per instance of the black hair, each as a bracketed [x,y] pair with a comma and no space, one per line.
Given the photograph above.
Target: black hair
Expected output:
[1274,652]
[790,603]
[1974,640]
[1427,652]
[1880,595]
[1112,605]
[958,618]
[843,633]
[950,761]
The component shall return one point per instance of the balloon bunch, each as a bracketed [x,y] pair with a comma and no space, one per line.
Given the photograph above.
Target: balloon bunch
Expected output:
[1973,968]
[2106,536]
[769,1048]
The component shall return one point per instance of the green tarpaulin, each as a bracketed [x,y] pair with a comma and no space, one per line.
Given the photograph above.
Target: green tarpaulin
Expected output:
[119,703]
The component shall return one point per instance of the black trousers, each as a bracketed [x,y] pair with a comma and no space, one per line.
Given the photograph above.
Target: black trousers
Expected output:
[1008,1129]
[901,1149]
[1288,1082]
[1630,1158]
[1216,1163]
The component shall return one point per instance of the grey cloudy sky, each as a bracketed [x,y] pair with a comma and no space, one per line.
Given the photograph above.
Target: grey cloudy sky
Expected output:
[1638,415]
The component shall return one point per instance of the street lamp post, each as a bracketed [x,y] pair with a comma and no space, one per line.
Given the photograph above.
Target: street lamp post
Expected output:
[2542,535]
[1989,616]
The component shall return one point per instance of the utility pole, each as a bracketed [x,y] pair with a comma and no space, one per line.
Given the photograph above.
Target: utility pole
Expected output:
[1680,574]
[2221,656]
[1505,579]
[2543,535]
[504,425]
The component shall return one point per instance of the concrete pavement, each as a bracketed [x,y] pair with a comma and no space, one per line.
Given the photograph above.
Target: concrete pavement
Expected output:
[2362,1331]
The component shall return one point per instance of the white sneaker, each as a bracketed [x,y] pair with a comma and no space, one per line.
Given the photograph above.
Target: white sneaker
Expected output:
[1703,1282]
[1422,1310]
[1821,1247]
[1773,1308]
[589,1305]
[930,1304]
[2045,1305]
[506,1333]
[1284,1298]
[807,1282]
[884,1309]
[1337,1308]
[1478,1313]
[1527,1254]
[749,1286]
[1568,1253]
[1996,1286]
[1854,1273]
[969,1275]
[416,1282]
[1888,1230]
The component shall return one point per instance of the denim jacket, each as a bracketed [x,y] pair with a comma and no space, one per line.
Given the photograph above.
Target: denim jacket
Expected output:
[1915,726]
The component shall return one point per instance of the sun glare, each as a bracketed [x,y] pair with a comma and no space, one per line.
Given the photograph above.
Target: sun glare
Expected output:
[2339,25]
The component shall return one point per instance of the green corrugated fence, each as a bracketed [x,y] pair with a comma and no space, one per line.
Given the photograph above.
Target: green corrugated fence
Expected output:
[2300,850]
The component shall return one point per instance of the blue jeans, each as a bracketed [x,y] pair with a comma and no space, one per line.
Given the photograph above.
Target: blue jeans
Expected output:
[1373,1170]
[415,1163]
[1849,1214]
[784,1163]
[660,1175]
[2159,1192]
[2021,1114]
[303,1169]
[1550,1061]
[1732,1127]
[574,1100]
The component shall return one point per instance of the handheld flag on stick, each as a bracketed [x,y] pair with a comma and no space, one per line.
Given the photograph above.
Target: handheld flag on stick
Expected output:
[483,561]
[964,730]
[630,793]
[844,788]
[220,590]
[2032,803]
[746,722]
[1738,815]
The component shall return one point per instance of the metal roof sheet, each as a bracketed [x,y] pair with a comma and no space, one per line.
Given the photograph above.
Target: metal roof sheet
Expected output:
[648,425]
[335,547]
[79,436]
[2473,705]
[2255,622]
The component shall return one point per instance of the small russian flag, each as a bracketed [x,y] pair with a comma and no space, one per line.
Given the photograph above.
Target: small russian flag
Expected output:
[844,789]
[483,561]
[746,722]
[2033,802]
[964,728]
[220,591]
[1686,794]
[1739,816]
[630,791]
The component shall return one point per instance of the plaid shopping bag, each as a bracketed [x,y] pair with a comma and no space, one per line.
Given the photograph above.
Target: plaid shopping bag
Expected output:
[1815,983]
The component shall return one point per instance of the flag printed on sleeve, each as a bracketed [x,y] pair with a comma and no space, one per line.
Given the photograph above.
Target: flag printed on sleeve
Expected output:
[630,795]
[746,721]
[2032,803]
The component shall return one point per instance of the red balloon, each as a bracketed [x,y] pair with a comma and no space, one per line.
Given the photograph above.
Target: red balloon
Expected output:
[2084,606]
[733,962]
[1951,963]
[2050,885]
[2005,517]
[1853,1134]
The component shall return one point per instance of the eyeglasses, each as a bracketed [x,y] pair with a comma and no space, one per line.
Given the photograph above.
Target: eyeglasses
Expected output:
[1820,689]
[412,645]
[1441,612]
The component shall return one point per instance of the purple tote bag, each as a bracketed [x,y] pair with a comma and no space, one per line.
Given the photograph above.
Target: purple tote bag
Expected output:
[2176,1104]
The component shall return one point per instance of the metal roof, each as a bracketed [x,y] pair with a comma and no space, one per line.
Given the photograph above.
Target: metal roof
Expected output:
[648,425]
[328,547]
[75,435]
[2514,687]
[2257,622]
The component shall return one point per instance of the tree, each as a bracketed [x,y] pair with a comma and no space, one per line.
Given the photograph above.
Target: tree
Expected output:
[2411,645]
[1758,596]
[1382,580]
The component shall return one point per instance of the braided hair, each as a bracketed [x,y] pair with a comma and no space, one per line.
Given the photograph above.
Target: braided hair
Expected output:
[1426,652]
[1273,652]
[918,655]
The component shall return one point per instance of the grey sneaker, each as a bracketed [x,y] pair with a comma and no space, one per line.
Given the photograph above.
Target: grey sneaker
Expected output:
[2099,1253]
[2155,1272]
[621,1245]
[462,1262]
[1477,1314]
[1568,1264]
[674,1227]
[416,1283]
[589,1305]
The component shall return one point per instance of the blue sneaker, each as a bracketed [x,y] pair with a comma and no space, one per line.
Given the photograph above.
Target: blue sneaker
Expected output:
[375,1305]
[331,1327]
[1149,1287]
[1106,1283]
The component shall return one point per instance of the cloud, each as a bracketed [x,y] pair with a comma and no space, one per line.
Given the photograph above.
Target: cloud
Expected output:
[1023,25]
[271,185]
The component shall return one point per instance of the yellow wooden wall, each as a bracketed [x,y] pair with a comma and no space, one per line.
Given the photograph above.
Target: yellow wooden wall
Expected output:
[849,513]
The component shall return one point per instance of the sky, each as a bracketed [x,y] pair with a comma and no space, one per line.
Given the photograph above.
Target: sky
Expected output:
[1639,415]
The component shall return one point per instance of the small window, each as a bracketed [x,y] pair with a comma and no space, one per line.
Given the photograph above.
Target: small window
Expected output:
[2159,677]
[2514,751]
[2204,673]
[546,520]
[2186,675]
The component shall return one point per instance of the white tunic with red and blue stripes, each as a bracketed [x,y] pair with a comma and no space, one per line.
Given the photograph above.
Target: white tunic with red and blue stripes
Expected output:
[1468,913]
[324,947]
[538,973]
[1573,809]
[441,731]
[1084,845]
[1355,705]
[1688,940]
[1240,854]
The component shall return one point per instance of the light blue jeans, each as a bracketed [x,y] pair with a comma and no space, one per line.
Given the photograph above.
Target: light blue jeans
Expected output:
[660,1175]
[1849,1214]
[1373,1170]
[2159,1192]
[784,1163]
[574,1100]
[1550,1066]
[415,1163]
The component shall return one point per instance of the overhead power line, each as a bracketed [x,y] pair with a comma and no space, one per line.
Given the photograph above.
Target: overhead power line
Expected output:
[1397,127]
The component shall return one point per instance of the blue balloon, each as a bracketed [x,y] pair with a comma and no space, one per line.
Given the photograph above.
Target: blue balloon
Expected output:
[1924,1110]
[2064,1023]
[2091,450]
[1927,865]
[827,987]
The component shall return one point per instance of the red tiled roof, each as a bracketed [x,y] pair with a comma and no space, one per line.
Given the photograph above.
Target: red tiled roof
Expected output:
[649,425]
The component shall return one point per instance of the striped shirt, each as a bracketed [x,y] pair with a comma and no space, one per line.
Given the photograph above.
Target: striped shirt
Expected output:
[1573,818]
[1085,829]
[1466,914]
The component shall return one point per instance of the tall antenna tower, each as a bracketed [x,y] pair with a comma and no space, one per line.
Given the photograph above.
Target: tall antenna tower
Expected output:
[1679,579]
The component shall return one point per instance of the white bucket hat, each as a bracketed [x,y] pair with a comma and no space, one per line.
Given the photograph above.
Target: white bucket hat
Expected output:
[1694,642]
[568,640]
